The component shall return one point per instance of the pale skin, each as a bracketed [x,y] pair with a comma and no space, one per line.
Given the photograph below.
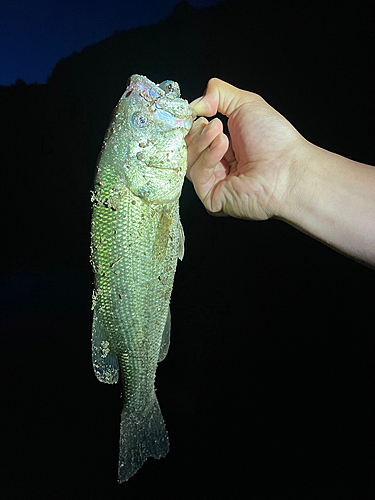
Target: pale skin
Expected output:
[268,170]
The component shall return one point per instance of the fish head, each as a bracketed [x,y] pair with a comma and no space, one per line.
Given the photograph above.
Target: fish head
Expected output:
[149,126]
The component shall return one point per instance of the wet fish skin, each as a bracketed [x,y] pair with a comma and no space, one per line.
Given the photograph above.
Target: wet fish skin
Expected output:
[136,239]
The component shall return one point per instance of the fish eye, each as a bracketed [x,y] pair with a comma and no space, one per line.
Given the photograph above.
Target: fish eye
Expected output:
[140,120]
[170,87]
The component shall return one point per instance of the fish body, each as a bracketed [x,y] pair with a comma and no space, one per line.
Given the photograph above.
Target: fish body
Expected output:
[136,239]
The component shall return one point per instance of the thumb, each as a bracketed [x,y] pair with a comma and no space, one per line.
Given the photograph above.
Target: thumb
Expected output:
[220,97]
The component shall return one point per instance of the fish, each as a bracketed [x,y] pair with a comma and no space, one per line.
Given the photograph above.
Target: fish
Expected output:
[136,241]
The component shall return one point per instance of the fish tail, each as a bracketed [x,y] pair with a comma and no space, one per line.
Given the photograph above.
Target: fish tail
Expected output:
[141,436]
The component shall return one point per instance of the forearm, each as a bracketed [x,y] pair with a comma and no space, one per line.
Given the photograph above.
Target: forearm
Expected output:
[332,199]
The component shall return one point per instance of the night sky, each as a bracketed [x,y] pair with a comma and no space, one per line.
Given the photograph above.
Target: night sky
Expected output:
[34,36]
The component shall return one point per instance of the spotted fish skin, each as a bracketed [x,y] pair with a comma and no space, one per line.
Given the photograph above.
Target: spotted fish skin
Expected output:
[136,239]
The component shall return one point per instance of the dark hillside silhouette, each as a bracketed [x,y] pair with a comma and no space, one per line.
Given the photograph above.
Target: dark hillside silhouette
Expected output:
[266,387]
[303,62]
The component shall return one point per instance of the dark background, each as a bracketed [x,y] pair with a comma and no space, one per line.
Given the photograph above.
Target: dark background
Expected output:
[268,385]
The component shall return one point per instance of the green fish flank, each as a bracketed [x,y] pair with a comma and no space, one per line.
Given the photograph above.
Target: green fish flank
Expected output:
[136,240]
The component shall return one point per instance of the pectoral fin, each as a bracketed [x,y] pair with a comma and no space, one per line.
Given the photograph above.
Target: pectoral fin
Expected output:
[181,247]
[104,361]
[162,237]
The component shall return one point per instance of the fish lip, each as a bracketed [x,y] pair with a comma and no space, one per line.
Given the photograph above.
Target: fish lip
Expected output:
[145,88]
[152,93]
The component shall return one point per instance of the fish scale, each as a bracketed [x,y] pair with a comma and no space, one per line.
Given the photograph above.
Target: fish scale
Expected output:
[136,239]
[131,282]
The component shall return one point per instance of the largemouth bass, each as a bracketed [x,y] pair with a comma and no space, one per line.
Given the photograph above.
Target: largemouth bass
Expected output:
[136,239]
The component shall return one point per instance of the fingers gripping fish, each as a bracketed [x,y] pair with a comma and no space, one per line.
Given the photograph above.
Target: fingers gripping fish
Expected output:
[136,239]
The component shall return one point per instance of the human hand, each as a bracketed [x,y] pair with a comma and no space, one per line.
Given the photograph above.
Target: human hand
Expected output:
[249,176]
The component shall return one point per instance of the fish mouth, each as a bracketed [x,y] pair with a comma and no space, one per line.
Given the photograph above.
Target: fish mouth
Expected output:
[163,100]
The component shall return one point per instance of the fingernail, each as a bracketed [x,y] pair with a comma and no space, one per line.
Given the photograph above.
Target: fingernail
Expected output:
[193,103]
[194,127]
[204,129]
[216,141]
[208,126]
[196,124]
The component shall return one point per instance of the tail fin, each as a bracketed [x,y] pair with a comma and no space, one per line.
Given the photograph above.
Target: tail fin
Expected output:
[141,436]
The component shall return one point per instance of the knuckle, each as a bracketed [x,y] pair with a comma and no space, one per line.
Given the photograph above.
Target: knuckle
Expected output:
[256,96]
[214,82]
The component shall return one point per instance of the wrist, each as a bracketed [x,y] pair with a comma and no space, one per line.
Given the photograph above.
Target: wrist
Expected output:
[304,178]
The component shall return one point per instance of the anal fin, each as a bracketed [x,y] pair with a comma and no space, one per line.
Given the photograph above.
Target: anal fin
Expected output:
[104,360]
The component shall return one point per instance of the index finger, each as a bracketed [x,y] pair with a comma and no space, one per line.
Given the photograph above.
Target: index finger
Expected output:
[220,97]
